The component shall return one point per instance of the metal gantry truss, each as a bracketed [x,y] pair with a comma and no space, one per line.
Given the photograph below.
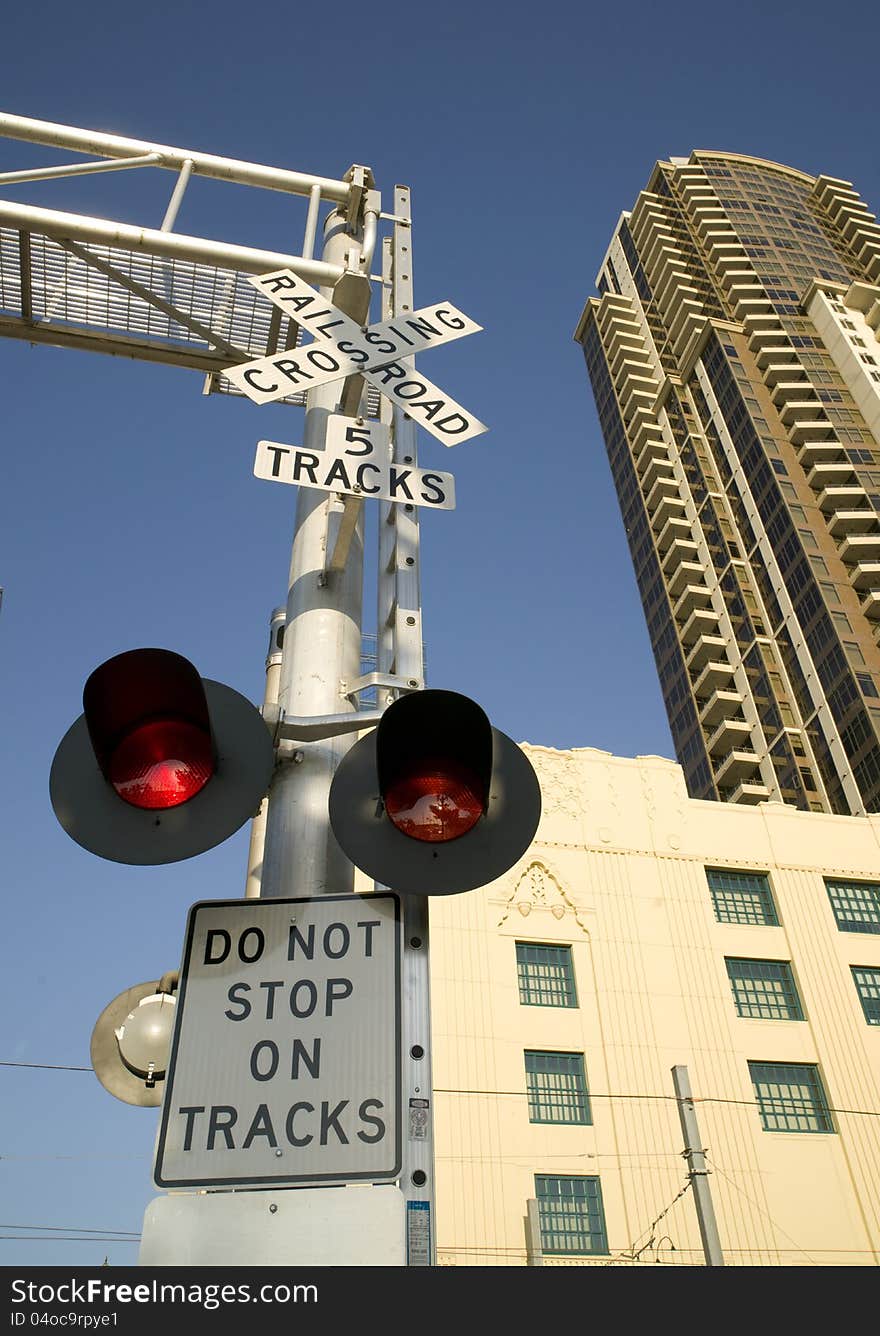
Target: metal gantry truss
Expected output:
[69,280]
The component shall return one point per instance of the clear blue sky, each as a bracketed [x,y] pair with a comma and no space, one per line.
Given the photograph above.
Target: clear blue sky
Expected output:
[130,515]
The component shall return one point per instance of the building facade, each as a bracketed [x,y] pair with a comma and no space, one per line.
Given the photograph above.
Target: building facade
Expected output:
[734,358]
[645,930]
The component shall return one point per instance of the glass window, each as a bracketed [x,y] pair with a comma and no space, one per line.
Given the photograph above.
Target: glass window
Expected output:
[867,981]
[866,682]
[546,975]
[790,1097]
[557,1088]
[764,989]
[571,1215]
[741,897]
[856,905]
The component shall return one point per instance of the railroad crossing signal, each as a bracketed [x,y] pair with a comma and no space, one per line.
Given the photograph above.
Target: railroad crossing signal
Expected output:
[435,800]
[344,348]
[162,764]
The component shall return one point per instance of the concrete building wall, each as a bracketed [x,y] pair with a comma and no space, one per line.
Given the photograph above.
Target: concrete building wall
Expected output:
[618,873]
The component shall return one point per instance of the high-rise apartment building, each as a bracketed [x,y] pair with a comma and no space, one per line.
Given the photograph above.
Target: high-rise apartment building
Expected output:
[734,357]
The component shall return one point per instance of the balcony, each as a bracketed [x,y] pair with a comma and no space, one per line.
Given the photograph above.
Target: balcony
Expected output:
[692,596]
[716,676]
[871,605]
[654,447]
[794,387]
[813,431]
[860,547]
[701,622]
[687,572]
[687,309]
[802,410]
[862,521]
[629,359]
[832,499]
[763,331]
[780,351]
[738,764]
[829,473]
[720,705]
[638,393]
[865,575]
[749,794]
[669,506]
[673,531]
[704,648]
[729,261]
[673,281]
[778,364]
[679,550]
[728,736]
[663,488]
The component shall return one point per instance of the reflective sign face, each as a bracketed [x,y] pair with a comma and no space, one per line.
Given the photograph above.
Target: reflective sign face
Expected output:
[285,1063]
[343,348]
[356,462]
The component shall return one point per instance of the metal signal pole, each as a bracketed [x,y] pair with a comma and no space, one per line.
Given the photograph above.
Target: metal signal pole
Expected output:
[321,657]
[321,650]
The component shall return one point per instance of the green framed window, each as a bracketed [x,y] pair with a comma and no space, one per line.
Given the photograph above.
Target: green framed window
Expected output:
[856,904]
[867,981]
[557,1087]
[571,1215]
[545,975]
[741,897]
[791,1097]
[764,989]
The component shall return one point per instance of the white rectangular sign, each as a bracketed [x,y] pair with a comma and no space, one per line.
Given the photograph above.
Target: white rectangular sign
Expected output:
[285,1061]
[356,462]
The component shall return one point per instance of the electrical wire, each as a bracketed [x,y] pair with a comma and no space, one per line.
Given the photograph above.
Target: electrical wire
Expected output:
[48,1066]
[519,1094]
[65,1238]
[701,1099]
[633,1254]
[75,1229]
[758,1207]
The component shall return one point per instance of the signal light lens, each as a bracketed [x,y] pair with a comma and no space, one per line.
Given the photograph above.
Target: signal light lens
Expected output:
[436,802]
[161,764]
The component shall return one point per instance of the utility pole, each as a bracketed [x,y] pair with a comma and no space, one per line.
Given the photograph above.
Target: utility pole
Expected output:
[697,1171]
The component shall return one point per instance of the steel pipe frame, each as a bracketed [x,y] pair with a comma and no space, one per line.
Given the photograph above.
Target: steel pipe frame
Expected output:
[153,241]
[204,164]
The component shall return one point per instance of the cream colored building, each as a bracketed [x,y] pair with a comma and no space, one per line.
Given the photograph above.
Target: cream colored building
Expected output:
[643,930]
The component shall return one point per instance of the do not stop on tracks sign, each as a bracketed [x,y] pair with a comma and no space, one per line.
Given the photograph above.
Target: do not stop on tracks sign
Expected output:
[285,1062]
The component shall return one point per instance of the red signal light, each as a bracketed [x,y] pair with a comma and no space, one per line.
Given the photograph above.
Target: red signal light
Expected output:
[436,801]
[161,763]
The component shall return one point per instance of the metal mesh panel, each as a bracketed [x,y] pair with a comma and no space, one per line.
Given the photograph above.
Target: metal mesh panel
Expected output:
[43,285]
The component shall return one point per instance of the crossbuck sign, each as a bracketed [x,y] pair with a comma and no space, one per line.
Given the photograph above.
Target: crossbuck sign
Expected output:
[344,348]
